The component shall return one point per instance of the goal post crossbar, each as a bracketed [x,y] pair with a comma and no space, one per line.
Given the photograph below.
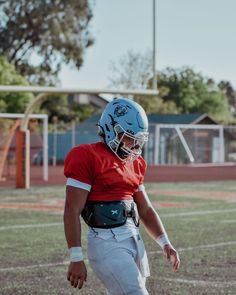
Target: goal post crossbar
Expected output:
[65,90]
[43,92]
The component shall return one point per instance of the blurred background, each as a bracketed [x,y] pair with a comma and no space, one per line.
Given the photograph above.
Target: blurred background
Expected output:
[183,51]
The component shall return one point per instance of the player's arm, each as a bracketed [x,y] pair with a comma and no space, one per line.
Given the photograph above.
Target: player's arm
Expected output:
[155,228]
[74,204]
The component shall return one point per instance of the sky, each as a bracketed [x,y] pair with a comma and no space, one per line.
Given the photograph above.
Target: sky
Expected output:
[200,34]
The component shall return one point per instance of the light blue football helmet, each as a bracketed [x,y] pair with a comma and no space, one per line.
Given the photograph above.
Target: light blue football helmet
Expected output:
[124,128]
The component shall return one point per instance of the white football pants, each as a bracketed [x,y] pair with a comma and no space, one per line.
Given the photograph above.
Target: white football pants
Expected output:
[121,266]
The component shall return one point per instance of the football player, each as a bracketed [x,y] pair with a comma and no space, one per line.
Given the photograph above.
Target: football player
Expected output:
[105,187]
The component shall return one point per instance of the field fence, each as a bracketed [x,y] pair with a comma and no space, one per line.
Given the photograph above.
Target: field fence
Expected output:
[197,144]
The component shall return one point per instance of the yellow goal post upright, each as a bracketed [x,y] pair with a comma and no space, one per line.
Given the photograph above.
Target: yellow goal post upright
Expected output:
[41,93]
[6,136]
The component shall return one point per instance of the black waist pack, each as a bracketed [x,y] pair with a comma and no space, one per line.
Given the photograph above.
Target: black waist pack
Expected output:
[108,214]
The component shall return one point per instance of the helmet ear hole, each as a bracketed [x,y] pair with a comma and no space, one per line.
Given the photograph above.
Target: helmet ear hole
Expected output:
[101,132]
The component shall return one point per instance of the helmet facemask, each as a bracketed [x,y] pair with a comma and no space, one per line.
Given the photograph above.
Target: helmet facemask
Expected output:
[126,146]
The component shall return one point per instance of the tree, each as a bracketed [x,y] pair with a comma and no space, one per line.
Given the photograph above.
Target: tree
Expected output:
[193,93]
[12,102]
[230,94]
[180,90]
[55,30]
[59,106]
[134,70]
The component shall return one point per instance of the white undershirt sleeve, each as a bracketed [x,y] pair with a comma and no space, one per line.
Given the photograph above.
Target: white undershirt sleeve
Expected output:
[141,188]
[76,183]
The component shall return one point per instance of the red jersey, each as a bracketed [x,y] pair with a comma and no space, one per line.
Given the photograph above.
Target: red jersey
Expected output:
[96,168]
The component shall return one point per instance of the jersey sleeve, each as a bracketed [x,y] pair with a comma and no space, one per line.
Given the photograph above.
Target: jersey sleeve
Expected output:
[78,168]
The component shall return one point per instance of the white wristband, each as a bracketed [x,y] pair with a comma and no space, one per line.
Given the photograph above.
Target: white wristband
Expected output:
[162,240]
[76,254]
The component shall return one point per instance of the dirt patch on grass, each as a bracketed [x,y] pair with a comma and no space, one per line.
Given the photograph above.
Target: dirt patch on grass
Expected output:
[160,205]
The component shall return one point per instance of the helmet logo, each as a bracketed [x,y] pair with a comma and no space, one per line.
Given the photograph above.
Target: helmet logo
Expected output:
[120,111]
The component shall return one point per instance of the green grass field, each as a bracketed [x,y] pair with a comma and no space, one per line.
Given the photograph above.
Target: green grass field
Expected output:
[200,219]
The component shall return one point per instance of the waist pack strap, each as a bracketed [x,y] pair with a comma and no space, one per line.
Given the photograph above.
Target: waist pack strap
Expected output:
[133,213]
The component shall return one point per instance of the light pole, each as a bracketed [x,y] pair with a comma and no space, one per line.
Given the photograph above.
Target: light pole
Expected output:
[154,81]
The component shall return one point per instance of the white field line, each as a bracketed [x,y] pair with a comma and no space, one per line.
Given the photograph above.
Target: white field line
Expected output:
[200,282]
[10,269]
[191,213]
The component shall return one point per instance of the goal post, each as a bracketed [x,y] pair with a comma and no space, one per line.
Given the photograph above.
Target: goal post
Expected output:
[22,159]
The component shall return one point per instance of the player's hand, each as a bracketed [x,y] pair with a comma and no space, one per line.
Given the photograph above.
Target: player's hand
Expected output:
[172,256]
[77,274]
